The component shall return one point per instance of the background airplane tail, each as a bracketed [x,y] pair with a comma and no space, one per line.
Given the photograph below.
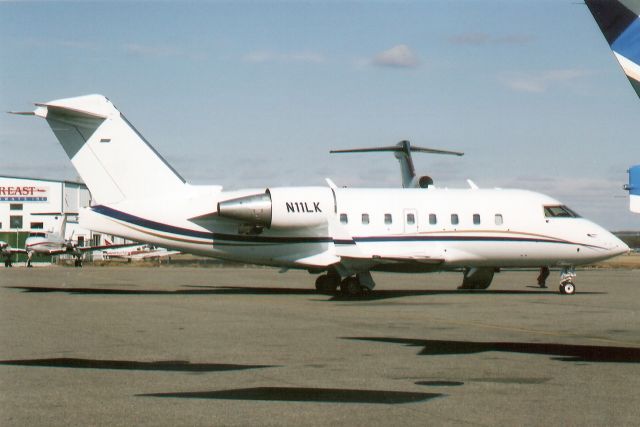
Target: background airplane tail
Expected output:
[109,154]
[634,188]
[618,21]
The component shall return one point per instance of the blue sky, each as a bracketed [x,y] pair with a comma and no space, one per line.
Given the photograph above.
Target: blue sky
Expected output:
[255,94]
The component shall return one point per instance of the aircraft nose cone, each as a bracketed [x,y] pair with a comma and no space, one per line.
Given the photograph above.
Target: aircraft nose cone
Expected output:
[616,246]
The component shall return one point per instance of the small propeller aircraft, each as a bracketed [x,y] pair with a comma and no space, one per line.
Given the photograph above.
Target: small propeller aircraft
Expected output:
[51,243]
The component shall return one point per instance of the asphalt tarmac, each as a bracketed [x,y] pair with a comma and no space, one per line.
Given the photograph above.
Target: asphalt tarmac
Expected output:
[250,346]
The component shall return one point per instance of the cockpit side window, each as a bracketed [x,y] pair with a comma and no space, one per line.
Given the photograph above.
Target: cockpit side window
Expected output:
[559,211]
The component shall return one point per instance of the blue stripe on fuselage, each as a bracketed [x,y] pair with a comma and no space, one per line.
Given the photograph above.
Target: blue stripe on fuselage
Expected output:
[158,226]
[628,43]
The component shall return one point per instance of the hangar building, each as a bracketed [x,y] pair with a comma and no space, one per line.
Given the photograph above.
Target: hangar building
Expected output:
[31,205]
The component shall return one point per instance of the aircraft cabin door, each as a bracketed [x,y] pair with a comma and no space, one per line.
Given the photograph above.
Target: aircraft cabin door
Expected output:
[410,221]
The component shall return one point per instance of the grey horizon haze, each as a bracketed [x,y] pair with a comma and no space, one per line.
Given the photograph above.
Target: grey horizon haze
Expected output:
[256,94]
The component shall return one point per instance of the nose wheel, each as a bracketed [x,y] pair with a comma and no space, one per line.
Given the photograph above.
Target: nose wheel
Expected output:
[567,277]
[567,288]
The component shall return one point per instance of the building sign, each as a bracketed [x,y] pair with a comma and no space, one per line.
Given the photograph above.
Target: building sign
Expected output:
[23,194]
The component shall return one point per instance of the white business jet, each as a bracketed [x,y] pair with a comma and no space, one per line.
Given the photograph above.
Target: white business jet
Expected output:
[343,233]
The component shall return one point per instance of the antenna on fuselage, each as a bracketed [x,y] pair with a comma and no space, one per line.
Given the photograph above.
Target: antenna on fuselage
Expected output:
[402,151]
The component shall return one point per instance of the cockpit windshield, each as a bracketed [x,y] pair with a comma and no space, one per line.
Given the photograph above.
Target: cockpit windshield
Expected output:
[559,211]
[37,235]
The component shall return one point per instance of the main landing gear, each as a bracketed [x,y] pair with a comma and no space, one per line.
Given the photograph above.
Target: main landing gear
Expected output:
[352,286]
[567,277]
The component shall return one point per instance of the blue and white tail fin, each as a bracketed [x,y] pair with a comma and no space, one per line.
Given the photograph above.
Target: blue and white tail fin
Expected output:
[634,188]
[109,154]
[620,23]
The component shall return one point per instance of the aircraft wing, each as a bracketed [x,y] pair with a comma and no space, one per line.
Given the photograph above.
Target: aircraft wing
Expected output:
[17,251]
[83,249]
[390,263]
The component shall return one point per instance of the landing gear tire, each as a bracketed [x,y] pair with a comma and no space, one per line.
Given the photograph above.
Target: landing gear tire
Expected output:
[351,287]
[326,284]
[568,288]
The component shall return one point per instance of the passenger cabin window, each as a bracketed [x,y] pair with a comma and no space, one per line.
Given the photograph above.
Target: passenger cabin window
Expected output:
[433,219]
[365,218]
[454,219]
[411,219]
[476,219]
[559,211]
[344,219]
[499,219]
[388,219]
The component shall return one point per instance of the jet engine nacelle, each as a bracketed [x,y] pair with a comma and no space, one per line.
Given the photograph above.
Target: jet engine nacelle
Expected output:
[425,181]
[282,207]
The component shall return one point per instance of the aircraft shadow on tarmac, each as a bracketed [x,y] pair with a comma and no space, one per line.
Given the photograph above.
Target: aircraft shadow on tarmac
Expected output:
[303,394]
[562,352]
[251,290]
[132,365]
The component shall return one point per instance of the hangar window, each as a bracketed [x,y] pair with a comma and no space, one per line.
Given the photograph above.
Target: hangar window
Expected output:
[454,219]
[365,218]
[388,219]
[559,211]
[37,225]
[476,219]
[433,219]
[343,218]
[15,206]
[411,219]
[15,221]
[499,219]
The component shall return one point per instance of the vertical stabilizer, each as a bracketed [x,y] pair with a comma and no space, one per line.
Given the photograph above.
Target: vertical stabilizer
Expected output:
[618,20]
[634,189]
[110,155]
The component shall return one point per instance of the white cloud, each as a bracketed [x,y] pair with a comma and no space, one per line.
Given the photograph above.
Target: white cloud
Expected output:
[263,56]
[536,83]
[400,56]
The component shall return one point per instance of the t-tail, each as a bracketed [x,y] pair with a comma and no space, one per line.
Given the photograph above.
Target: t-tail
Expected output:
[109,154]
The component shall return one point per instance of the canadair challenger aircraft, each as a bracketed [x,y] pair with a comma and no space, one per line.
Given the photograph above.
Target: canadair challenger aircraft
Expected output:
[619,21]
[343,233]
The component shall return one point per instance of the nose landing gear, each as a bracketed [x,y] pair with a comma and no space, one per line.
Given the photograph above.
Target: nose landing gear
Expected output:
[567,277]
